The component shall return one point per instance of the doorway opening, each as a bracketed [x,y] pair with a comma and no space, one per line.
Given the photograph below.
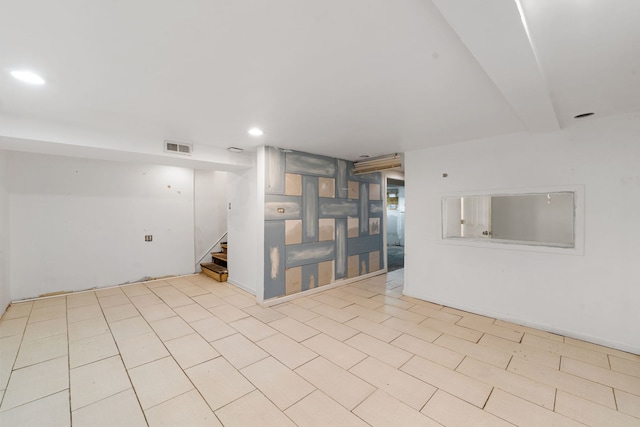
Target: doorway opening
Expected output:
[395,223]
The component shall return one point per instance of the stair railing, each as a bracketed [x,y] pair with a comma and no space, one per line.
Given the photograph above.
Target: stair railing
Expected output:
[208,252]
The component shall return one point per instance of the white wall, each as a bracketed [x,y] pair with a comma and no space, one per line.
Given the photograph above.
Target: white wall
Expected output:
[245,224]
[592,296]
[210,204]
[78,224]
[5,290]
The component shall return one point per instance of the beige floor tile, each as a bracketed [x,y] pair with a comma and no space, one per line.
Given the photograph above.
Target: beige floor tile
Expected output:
[16,310]
[579,386]
[159,381]
[331,312]
[51,411]
[590,413]
[455,383]
[398,384]
[523,413]
[449,358]
[212,328]
[41,350]
[531,354]
[121,409]
[12,327]
[263,314]
[625,366]
[367,313]
[337,352]
[87,328]
[253,409]
[435,313]
[294,329]
[191,350]
[601,349]
[395,302]
[91,349]
[141,349]
[113,300]
[50,302]
[155,284]
[401,313]
[490,328]
[451,411]
[177,300]
[120,312]
[280,384]
[339,384]
[600,375]
[96,381]
[135,290]
[413,329]
[219,382]
[391,355]
[454,330]
[106,292]
[209,300]
[144,300]
[382,410]
[36,381]
[577,353]
[127,328]
[39,330]
[306,302]
[376,330]
[47,313]
[228,313]
[510,382]
[9,347]
[628,403]
[253,329]
[193,291]
[332,328]
[241,301]
[531,331]
[468,314]
[298,313]
[499,358]
[239,350]
[287,351]
[188,409]
[318,410]
[192,312]
[362,301]
[84,312]
[331,300]
[365,293]
[156,312]
[171,328]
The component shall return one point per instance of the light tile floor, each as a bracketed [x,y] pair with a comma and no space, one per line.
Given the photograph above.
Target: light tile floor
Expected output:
[189,351]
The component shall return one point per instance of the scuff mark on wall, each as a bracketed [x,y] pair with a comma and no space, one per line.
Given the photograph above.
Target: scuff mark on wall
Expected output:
[274,255]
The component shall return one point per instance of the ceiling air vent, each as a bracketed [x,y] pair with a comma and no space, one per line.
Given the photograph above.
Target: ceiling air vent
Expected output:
[377,164]
[178,147]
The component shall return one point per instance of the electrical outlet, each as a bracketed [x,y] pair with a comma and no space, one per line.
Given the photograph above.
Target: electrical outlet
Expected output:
[148,238]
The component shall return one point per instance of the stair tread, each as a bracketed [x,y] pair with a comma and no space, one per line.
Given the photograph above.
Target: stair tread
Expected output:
[214,267]
[219,255]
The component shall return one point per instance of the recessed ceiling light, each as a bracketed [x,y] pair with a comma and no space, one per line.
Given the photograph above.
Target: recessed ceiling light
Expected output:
[28,77]
[256,132]
[579,116]
[364,156]
[235,149]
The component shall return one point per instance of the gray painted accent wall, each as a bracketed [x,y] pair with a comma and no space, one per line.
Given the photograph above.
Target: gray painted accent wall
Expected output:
[298,265]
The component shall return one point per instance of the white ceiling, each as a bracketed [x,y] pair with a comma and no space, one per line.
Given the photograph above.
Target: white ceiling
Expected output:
[334,77]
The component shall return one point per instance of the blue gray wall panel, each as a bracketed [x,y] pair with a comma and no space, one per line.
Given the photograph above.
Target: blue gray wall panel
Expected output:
[309,253]
[309,276]
[341,248]
[342,180]
[338,208]
[309,209]
[309,164]
[360,245]
[376,209]
[292,206]
[274,259]
[274,177]
[364,209]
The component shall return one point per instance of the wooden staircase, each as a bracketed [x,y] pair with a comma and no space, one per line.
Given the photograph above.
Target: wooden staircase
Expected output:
[217,269]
